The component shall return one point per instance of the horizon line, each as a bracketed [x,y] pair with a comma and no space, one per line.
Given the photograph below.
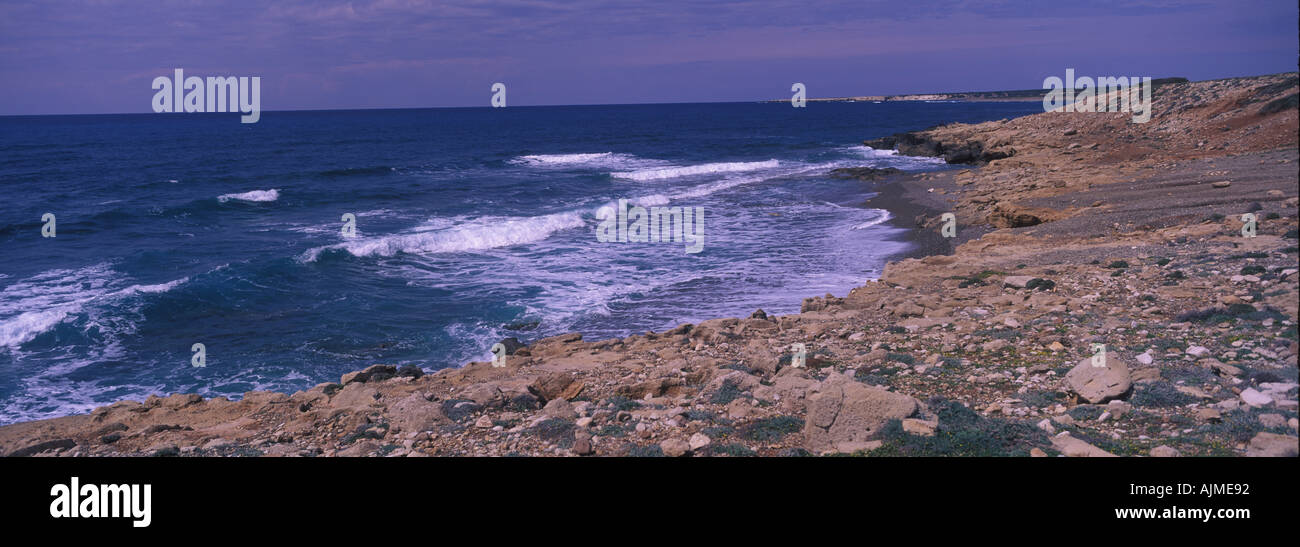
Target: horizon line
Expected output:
[756,101]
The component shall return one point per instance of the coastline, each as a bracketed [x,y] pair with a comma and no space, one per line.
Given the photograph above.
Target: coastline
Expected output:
[959,337]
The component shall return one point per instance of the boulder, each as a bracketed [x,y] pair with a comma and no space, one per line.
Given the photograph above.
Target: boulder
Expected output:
[1099,384]
[844,415]
[415,413]
[551,385]
[560,408]
[373,373]
[675,448]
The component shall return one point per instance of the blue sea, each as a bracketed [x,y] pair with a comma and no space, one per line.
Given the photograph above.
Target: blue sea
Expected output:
[472,225]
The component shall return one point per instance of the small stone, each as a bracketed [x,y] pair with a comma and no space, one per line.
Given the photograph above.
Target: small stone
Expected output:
[1145,358]
[1163,451]
[1076,448]
[1017,281]
[1221,183]
[1209,415]
[674,448]
[1037,453]
[1254,398]
[1197,351]
[1272,445]
[483,422]
[698,441]
[908,309]
[995,345]
[582,446]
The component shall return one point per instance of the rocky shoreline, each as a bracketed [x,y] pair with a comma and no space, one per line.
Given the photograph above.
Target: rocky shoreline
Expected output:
[1076,230]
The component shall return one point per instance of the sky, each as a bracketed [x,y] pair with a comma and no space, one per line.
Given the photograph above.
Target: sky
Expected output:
[101,56]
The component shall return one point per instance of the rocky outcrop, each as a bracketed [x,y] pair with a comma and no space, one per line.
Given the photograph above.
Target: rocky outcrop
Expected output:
[867,174]
[952,151]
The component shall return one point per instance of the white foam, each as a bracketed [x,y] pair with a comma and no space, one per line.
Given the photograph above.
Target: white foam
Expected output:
[690,170]
[255,195]
[39,303]
[881,216]
[16,331]
[563,159]
[893,158]
[472,235]
[599,160]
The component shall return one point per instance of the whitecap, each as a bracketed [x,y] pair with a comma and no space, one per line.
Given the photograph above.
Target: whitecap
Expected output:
[463,236]
[661,173]
[255,195]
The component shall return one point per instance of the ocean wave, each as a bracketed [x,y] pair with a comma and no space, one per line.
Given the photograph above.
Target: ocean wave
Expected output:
[475,235]
[38,304]
[661,173]
[16,331]
[598,160]
[255,195]
[893,158]
[566,159]
[881,216]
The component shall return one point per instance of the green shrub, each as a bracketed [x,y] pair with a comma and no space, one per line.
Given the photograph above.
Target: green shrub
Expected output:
[962,432]
[647,451]
[726,394]
[1160,395]
[555,431]
[771,429]
[620,402]
[734,450]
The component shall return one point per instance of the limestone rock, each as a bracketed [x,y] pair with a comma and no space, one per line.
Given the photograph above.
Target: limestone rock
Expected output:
[1272,445]
[1076,448]
[415,413]
[1163,451]
[1099,384]
[844,415]
[674,448]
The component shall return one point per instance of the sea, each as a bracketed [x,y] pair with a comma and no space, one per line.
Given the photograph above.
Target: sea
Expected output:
[287,252]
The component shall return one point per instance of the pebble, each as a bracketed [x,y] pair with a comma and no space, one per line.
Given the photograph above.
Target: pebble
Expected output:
[1254,398]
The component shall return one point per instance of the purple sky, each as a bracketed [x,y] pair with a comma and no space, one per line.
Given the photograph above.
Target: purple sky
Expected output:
[96,56]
